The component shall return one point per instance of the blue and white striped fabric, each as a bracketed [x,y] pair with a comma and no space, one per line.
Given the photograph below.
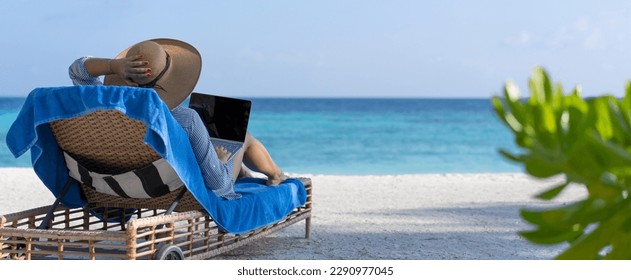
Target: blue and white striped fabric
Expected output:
[153,180]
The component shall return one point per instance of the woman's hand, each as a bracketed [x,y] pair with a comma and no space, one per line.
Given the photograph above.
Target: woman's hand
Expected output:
[222,154]
[130,69]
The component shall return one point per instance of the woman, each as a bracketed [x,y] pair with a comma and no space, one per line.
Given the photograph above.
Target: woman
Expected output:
[172,68]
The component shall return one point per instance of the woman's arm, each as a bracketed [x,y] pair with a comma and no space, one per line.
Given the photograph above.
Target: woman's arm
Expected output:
[80,75]
[86,70]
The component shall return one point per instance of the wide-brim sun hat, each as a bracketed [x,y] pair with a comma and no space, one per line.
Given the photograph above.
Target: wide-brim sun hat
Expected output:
[175,65]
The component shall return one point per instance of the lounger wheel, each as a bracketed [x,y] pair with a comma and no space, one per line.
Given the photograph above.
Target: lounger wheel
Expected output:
[169,252]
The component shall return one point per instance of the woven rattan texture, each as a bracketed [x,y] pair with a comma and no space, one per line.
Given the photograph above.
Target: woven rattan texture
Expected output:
[187,203]
[105,141]
[109,142]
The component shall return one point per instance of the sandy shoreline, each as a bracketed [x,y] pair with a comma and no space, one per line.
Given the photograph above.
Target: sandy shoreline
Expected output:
[415,217]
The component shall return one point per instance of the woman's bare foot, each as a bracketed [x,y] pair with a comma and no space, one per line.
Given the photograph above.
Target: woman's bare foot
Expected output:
[276,180]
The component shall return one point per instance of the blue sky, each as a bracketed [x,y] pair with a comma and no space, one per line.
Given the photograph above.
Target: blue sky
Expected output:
[327,48]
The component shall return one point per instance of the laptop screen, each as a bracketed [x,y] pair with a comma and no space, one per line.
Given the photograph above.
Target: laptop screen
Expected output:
[224,117]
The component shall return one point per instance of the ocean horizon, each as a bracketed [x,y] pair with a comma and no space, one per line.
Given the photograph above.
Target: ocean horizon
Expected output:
[361,136]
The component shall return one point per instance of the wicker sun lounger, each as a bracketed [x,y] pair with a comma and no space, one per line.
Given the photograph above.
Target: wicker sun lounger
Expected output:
[173,226]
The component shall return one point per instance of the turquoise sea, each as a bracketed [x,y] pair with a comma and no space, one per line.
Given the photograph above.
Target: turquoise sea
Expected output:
[361,136]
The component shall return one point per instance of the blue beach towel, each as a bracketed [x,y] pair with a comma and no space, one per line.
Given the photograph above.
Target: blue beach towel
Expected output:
[259,206]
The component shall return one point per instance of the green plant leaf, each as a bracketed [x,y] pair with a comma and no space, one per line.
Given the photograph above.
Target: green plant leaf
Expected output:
[588,140]
[553,219]
[540,86]
[553,192]
[622,120]
[600,107]
[590,245]
[510,156]
[611,155]
[550,236]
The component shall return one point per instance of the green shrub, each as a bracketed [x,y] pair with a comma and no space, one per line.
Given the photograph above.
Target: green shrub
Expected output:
[587,141]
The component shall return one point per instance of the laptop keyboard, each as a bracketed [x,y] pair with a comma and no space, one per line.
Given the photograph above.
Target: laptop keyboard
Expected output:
[231,147]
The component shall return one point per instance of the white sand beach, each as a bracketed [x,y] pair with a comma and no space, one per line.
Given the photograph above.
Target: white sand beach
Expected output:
[412,217]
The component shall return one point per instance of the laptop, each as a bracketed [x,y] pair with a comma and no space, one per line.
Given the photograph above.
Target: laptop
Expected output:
[226,119]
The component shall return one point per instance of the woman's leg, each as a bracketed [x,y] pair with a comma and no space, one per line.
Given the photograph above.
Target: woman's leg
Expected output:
[244,172]
[256,157]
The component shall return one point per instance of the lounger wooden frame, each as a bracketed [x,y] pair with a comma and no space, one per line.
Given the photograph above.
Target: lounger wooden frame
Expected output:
[109,142]
[77,234]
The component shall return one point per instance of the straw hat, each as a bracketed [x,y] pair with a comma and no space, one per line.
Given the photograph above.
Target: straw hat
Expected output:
[175,66]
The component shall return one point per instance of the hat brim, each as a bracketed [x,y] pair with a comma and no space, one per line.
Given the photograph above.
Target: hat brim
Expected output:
[180,79]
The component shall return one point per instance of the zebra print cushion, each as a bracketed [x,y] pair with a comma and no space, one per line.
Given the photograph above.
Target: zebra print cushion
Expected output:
[153,180]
